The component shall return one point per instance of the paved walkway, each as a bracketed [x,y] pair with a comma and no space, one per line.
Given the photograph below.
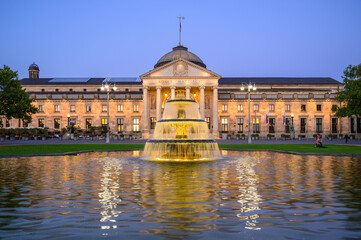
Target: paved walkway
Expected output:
[55,141]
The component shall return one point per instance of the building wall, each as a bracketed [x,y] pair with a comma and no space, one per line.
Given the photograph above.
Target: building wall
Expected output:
[230,95]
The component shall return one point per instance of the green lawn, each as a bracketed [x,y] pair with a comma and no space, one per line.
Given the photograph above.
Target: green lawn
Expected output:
[64,148]
[302,148]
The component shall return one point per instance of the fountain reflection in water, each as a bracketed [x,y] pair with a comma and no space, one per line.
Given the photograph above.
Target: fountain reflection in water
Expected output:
[181,134]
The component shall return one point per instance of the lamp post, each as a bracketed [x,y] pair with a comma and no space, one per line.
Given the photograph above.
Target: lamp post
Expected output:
[292,127]
[106,87]
[249,87]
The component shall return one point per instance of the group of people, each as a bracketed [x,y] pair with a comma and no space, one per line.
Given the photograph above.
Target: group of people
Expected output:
[319,141]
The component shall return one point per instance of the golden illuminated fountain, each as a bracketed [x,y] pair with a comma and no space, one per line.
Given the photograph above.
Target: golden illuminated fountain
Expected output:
[181,134]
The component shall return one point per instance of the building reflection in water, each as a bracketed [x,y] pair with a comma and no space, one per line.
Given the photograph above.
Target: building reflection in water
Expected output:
[186,198]
[117,194]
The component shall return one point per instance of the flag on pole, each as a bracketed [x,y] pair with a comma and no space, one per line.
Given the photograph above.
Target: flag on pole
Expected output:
[267,117]
[284,118]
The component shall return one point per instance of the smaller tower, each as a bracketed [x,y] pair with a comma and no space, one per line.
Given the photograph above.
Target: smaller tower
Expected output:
[34,71]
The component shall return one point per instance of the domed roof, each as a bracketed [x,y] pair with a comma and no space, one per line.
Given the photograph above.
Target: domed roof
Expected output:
[179,52]
[33,66]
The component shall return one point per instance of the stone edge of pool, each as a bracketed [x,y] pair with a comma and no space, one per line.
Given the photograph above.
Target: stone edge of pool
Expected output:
[122,150]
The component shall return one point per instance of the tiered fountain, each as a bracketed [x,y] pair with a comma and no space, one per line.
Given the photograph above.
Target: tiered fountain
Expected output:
[181,134]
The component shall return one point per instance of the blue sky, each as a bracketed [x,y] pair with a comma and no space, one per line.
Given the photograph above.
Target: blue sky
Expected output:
[233,38]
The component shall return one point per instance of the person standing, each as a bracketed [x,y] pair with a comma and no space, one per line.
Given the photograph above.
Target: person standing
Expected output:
[346,137]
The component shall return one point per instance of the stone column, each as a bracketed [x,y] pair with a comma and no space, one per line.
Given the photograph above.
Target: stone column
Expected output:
[215,112]
[172,92]
[159,103]
[201,101]
[145,113]
[188,92]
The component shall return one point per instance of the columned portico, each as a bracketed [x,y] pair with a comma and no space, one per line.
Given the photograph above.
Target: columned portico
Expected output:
[201,101]
[181,75]
[215,112]
[159,103]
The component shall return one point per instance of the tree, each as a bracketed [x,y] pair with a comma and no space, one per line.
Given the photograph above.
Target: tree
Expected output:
[14,101]
[350,96]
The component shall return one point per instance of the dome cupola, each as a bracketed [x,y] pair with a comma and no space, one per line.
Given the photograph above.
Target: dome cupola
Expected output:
[179,52]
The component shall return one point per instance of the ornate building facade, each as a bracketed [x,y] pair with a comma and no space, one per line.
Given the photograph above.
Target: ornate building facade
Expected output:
[301,106]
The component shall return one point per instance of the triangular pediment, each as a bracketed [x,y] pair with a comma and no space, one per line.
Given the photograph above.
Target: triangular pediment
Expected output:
[180,68]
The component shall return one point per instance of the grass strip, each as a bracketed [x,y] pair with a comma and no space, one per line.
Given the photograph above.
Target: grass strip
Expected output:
[64,148]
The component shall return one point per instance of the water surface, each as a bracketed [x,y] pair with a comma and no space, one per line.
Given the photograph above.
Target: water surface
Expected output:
[116,195]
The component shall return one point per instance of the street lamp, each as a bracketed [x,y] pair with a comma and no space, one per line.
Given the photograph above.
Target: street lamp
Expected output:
[292,127]
[106,85]
[249,87]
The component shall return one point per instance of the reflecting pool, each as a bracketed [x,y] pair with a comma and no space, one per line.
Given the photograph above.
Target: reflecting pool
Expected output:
[253,195]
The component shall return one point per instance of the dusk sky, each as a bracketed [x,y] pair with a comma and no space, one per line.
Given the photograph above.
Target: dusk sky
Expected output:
[233,38]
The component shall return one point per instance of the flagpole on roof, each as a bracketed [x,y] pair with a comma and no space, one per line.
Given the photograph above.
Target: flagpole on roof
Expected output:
[180,30]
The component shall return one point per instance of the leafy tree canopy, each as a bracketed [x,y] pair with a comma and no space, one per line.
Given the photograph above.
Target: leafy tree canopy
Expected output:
[350,96]
[14,101]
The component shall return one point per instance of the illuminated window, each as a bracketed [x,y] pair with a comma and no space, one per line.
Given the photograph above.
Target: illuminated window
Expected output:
[120,124]
[240,107]
[224,107]
[88,123]
[287,107]
[120,108]
[104,108]
[135,124]
[57,123]
[224,122]
[72,108]
[7,123]
[56,108]
[88,108]
[41,122]
[256,125]
[271,107]
[104,122]
[1,123]
[136,108]
[41,108]
[255,107]
[153,121]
